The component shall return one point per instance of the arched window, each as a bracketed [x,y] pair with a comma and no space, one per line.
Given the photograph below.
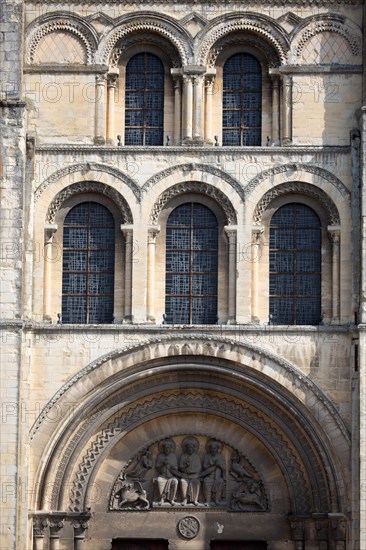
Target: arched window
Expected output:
[242,101]
[88,264]
[295,266]
[191,265]
[144,113]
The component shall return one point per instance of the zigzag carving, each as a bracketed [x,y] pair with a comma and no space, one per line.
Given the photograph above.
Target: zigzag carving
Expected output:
[265,430]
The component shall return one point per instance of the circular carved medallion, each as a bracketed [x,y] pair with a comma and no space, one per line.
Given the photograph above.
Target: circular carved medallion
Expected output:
[188,527]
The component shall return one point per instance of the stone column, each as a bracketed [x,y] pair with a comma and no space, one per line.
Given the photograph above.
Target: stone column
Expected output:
[257,232]
[188,107]
[197,111]
[79,533]
[55,528]
[334,232]
[127,231]
[286,130]
[231,232]
[49,232]
[298,532]
[177,109]
[111,90]
[99,138]
[208,110]
[39,530]
[275,110]
[153,232]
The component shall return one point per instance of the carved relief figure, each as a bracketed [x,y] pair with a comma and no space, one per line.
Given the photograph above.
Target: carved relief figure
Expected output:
[213,473]
[167,467]
[190,468]
[248,494]
[131,495]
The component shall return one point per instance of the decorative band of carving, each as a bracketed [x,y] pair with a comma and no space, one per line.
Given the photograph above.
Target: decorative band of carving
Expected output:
[297,187]
[265,429]
[61,24]
[252,40]
[327,26]
[89,187]
[253,25]
[194,187]
[192,167]
[85,168]
[295,174]
[142,26]
[146,38]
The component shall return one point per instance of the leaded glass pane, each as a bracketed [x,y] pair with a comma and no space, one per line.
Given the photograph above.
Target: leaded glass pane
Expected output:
[145,92]
[88,265]
[295,265]
[191,265]
[242,101]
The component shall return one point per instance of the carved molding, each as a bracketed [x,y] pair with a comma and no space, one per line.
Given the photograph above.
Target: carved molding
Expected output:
[297,187]
[254,23]
[189,468]
[193,187]
[257,42]
[163,28]
[146,38]
[89,187]
[193,345]
[85,168]
[265,429]
[318,27]
[297,168]
[59,22]
[193,167]
[300,3]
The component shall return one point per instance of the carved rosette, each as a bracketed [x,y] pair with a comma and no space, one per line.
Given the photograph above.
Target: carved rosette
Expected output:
[194,472]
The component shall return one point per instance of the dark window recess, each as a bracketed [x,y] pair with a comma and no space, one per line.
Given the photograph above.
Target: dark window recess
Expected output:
[88,265]
[295,266]
[242,101]
[144,110]
[191,265]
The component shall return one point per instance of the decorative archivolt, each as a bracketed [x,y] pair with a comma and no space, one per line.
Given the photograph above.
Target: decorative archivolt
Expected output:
[301,188]
[56,23]
[351,34]
[84,168]
[234,39]
[296,172]
[89,187]
[164,27]
[194,187]
[250,23]
[146,38]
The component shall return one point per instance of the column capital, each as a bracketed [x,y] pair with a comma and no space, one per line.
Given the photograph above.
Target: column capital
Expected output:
[152,232]
[334,233]
[40,524]
[231,230]
[49,230]
[257,232]
[100,79]
[127,228]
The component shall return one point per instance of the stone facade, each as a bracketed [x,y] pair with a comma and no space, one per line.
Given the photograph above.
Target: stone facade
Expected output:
[239,430]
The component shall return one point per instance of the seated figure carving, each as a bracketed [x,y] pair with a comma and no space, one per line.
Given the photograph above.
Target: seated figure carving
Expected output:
[190,468]
[167,467]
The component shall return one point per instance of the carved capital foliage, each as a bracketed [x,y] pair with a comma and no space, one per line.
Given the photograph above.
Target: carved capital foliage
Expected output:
[40,524]
[252,24]
[301,188]
[60,22]
[89,187]
[194,187]
[129,30]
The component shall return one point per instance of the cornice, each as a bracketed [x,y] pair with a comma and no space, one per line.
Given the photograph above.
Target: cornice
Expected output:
[270,3]
[127,150]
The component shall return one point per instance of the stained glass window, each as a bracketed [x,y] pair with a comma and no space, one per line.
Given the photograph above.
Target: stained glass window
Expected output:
[295,266]
[191,265]
[242,101]
[144,112]
[88,265]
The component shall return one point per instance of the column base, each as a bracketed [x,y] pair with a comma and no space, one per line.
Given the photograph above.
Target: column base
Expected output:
[99,140]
